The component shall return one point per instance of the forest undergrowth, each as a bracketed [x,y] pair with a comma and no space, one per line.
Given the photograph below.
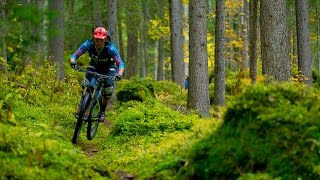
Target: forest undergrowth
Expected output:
[141,139]
[266,131]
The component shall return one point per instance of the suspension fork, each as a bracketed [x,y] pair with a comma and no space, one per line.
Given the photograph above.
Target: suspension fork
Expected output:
[79,107]
[87,114]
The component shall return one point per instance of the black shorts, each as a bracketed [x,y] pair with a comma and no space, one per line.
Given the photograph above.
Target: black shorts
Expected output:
[110,70]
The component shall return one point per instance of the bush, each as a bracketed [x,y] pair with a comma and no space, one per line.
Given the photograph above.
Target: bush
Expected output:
[9,93]
[272,129]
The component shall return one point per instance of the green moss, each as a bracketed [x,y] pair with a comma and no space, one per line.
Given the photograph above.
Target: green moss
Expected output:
[272,129]
[147,138]
[26,154]
[151,116]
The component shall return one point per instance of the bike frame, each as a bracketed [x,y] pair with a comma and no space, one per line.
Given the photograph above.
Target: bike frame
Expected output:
[94,88]
[86,108]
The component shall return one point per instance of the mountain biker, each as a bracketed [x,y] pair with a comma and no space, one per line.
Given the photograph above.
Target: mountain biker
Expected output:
[105,59]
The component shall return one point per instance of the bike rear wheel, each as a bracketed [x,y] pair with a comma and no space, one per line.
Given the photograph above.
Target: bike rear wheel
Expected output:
[93,122]
[83,104]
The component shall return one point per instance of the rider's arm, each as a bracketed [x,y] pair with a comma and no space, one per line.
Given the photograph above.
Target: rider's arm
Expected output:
[116,56]
[82,49]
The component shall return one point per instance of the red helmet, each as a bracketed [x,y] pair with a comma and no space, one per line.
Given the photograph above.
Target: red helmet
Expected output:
[100,33]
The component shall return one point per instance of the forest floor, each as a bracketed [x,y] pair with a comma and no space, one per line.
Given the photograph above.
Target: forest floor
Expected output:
[91,149]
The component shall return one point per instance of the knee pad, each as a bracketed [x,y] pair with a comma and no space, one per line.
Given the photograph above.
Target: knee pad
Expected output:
[108,92]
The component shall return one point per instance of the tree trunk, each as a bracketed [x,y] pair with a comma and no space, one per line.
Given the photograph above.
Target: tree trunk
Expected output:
[133,25]
[70,18]
[27,42]
[253,37]
[121,49]
[40,31]
[219,68]
[318,39]
[231,63]
[304,52]
[96,13]
[177,39]
[132,52]
[244,27]
[156,60]
[274,39]
[56,39]
[293,39]
[161,58]
[145,40]
[198,94]
[3,46]
[112,20]
[161,49]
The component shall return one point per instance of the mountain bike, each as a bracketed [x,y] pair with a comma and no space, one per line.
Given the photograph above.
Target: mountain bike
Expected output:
[89,106]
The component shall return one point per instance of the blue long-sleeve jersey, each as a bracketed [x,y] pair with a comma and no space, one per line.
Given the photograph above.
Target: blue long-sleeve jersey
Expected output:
[100,59]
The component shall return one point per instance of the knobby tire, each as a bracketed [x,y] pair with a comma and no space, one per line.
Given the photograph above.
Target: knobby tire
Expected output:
[93,122]
[83,104]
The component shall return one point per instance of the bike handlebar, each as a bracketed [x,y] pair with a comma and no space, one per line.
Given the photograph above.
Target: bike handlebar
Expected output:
[79,68]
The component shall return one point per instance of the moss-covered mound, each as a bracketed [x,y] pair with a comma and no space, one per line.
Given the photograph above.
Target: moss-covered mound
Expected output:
[25,155]
[137,118]
[268,131]
[137,90]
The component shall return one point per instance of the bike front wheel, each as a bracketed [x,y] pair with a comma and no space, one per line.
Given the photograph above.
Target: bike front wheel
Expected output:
[93,122]
[83,103]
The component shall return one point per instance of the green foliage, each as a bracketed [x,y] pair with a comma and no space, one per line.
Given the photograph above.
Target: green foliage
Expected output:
[316,79]
[270,129]
[146,118]
[158,28]
[35,129]
[148,138]
[25,154]
[170,93]
[40,86]
[233,83]
[139,89]
[255,176]
[29,13]
[156,156]
[21,32]
[8,95]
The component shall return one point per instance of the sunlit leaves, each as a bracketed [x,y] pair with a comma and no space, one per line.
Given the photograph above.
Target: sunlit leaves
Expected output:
[158,28]
[10,49]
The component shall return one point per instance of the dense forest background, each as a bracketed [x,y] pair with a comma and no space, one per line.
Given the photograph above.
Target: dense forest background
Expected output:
[251,109]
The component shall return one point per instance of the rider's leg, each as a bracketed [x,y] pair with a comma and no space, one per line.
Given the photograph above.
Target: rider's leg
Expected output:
[107,91]
[106,96]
